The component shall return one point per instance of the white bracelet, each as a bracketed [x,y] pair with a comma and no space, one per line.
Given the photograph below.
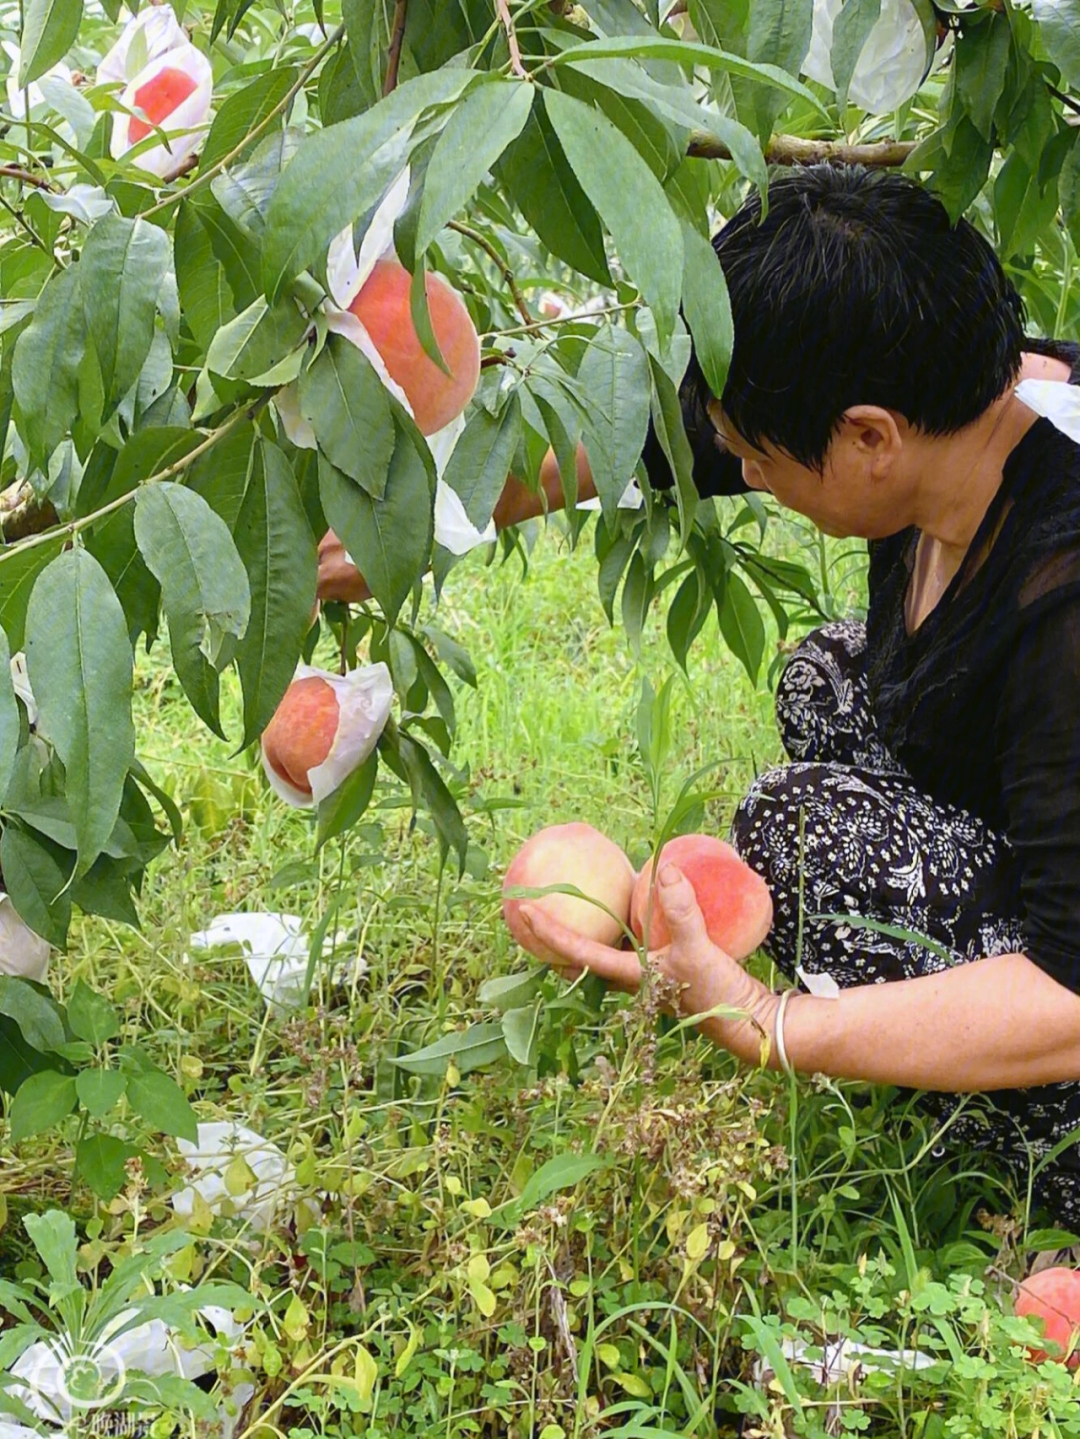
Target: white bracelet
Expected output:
[778,1034]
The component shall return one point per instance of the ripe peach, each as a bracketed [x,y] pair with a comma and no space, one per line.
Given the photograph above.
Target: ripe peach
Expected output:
[734,900]
[1053,1295]
[302,730]
[382,307]
[157,99]
[573,854]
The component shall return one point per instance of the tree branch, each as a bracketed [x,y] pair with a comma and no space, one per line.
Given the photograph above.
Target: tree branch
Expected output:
[791,150]
[397,39]
[13,172]
[502,9]
[504,269]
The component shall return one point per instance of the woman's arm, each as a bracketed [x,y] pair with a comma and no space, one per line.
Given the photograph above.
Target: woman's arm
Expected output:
[339,579]
[997,1023]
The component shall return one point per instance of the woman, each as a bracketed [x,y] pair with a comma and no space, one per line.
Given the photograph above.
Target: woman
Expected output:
[934,783]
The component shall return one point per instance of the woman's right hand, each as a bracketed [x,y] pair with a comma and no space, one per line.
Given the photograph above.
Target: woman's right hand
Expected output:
[339,579]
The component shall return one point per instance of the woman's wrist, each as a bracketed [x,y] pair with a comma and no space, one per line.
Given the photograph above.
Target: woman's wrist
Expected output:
[744,1033]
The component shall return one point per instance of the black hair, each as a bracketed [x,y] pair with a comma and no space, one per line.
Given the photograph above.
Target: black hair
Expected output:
[858,289]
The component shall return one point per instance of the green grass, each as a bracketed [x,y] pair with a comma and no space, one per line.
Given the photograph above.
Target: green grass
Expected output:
[729,1203]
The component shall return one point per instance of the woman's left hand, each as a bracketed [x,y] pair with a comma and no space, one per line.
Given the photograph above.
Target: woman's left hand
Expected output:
[708,979]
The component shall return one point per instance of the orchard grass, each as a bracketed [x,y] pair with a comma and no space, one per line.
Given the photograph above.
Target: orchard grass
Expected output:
[733,1210]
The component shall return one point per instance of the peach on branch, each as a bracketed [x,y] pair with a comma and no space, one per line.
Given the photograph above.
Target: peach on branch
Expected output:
[574,854]
[324,728]
[172,94]
[735,901]
[382,307]
[1053,1295]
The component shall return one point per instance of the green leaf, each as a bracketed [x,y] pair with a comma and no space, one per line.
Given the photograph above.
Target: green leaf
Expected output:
[564,1171]
[36,876]
[91,1016]
[472,1048]
[275,543]
[851,30]
[687,614]
[49,29]
[481,459]
[707,308]
[1059,29]
[741,623]
[614,373]
[19,570]
[390,538]
[40,1102]
[257,339]
[346,805]
[161,1103]
[668,423]
[477,133]
[205,295]
[9,717]
[545,190]
[243,111]
[339,173]
[100,1090]
[521,1030]
[101,1160]
[429,790]
[45,366]
[510,991]
[36,1014]
[349,408]
[629,199]
[204,586]
[80,665]
[778,37]
[123,266]
[687,53]
[982,64]
[53,1236]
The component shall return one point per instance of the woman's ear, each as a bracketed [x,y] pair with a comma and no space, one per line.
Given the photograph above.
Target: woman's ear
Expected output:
[873,436]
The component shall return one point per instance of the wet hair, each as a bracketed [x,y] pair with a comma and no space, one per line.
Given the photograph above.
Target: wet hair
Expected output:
[858,289]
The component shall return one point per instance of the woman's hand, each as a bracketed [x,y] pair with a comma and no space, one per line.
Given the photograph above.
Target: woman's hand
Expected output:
[707,978]
[339,579]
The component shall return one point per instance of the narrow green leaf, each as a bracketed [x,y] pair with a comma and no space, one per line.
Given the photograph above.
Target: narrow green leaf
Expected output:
[161,1103]
[478,131]
[277,548]
[91,1016]
[45,366]
[9,718]
[40,1102]
[472,1048]
[741,623]
[256,340]
[688,53]
[36,1014]
[347,804]
[429,790]
[481,459]
[205,295]
[36,876]
[80,665]
[337,175]
[564,1171]
[123,265]
[614,373]
[982,65]
[204,586]
[53,1236]
[1059,28]
[50,28]
[851,30]
[629,199]
[521,1029]
[390,538]
[243,111]
[707,308]
[348,407]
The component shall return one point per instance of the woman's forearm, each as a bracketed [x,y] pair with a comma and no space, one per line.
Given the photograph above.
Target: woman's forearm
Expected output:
[998,1023]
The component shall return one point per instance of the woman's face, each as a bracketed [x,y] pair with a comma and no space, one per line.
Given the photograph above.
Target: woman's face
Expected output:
[853,496]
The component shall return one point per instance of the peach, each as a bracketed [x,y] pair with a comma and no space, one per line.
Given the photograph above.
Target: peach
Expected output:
[299,736]
[573,854]
[1053,1295]
[734,900]
[157,99]
[382,307]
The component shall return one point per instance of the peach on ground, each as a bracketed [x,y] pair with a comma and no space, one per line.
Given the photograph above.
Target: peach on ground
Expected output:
[1053,1295]
[299,736]
[382,307]
[574,854]
[735,901]
[157,99]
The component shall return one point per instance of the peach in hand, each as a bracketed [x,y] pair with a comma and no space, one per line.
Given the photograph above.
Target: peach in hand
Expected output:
[574,854]
[324,728]
[735,901]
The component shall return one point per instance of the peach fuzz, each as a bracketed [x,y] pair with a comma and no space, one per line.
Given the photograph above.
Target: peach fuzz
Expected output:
[574,854]
[734,900]
[299,736]
[382,307]
[1053,1295]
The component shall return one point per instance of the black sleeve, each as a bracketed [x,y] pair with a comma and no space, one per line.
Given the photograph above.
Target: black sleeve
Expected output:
[716,471]
[1039,754]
